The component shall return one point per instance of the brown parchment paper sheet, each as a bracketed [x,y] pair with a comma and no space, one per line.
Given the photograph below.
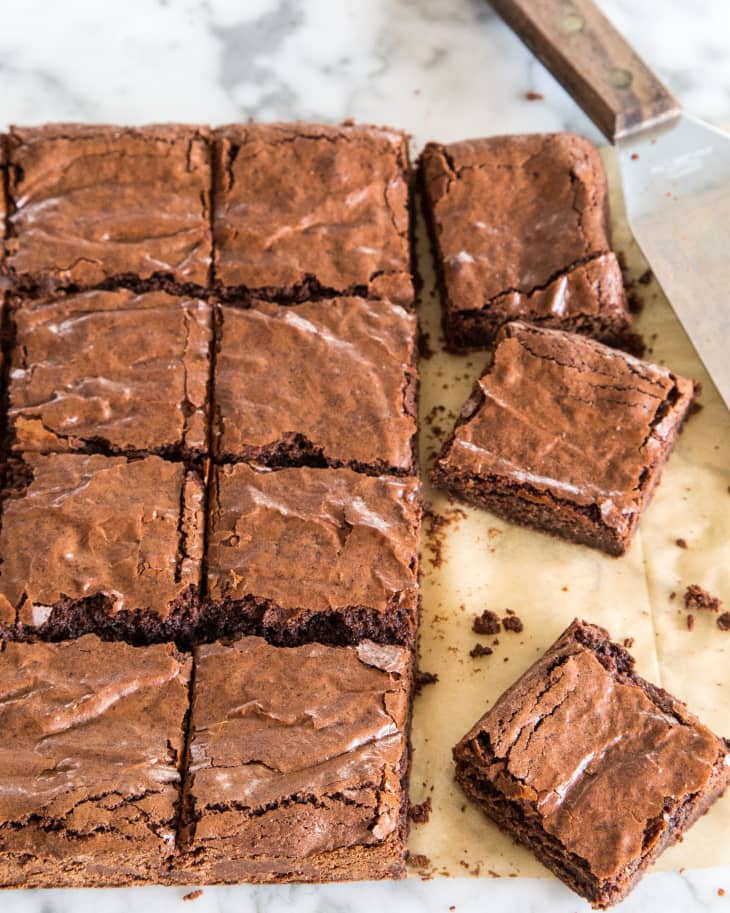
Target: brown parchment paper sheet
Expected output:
[488,563]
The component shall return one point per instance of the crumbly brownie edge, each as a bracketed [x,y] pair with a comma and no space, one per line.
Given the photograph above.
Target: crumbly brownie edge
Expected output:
[522,821]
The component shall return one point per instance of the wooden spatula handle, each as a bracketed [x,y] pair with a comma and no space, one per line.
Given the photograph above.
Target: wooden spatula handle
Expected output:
[581,48]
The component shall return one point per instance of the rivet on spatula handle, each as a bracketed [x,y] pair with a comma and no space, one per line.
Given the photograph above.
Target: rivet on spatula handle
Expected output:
[584,52]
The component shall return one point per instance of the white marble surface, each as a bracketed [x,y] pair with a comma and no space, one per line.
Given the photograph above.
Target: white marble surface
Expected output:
[443,69]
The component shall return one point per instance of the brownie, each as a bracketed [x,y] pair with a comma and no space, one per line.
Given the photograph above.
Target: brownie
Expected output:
[324,383]
[298,763]
[3,197]
[93,738]
[592,768]
[306,210]
[313,554]
[565,435]
[104,204]
[519,228]
[100,544]
[111,371]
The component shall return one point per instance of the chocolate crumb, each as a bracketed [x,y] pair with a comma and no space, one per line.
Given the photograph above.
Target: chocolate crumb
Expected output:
[513,623]
[646,277]
[681,543]
[193,895]
[531,95]
[628,642]
[723,621]
[690,622]
[480,650]
[486,623]
[419,860]
[424,345]
[721,892]
[672,596]
[697,598]
[423,679]
[419,814]
[634,155]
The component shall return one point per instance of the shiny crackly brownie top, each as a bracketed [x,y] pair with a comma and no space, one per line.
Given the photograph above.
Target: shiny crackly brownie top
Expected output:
[338,375]
[92,203]
[567,415]
[111,369]
[81,526]
[306,203]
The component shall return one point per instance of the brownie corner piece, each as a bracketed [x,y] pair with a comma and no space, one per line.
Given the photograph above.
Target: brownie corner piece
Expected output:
[298,764]
[519,228]
[122,544]
[565,435]
[90,762]
[111,371]
[596,802]
[309,210]
[129,205]
[313,554]
[325,383]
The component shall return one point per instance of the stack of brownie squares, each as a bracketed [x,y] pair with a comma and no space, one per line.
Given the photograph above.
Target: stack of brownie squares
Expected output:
[211,507]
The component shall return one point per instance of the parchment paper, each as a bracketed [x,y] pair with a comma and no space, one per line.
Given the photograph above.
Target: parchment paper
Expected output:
[488,563]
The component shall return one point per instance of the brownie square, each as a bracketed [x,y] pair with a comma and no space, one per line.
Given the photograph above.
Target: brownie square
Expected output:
[313,554]
[103,204]
[111,371]
[93,737]
[519,227]
[324,383]
[565,435]
[302,210]
[298,763]
[100,544]
[590,766]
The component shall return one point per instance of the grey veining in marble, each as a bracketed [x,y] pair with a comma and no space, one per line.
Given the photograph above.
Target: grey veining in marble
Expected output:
[443,69]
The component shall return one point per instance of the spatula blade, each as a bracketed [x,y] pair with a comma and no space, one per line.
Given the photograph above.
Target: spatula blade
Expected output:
[676,185]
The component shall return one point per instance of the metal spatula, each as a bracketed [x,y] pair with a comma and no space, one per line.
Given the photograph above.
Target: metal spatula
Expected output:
[675,169]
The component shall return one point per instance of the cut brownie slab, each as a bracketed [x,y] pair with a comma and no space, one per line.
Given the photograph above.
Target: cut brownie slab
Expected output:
[566,435]
[591,767]
[313,554]
[100,544]
[101,204]
[298,763]
[113,372]
[93,738]
[302,210]
[325,383]
[519,227]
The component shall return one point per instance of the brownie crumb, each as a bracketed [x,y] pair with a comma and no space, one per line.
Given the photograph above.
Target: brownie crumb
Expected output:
[435,526]
[425,351]
[628,642]
[419,814]
[634,156]
[681,543]
[694,408]
[672,596]
[480,650]
[723,621]
[486,623]
[721,892]
[423,679]
[531,95]
[513,623]
[419,860]
[193,895]
[697,598]
[690,622]
[646,277]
